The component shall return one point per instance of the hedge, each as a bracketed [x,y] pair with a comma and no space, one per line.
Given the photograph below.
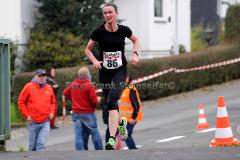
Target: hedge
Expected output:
[182,81]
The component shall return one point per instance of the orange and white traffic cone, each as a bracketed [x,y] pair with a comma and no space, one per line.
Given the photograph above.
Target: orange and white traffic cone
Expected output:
[223,133]
[202,120]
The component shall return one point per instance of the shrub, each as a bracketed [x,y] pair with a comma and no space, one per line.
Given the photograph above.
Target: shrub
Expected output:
[182,81]
[232,23]
[221,34]
[15,114]
[182,49]
[197,38]
[56,48]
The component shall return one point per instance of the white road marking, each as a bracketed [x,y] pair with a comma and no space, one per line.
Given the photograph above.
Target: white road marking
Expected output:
[138,146]
[170,139]
[206,130]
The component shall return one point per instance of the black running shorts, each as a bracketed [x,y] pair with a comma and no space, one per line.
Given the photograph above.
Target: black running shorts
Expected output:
[112,82]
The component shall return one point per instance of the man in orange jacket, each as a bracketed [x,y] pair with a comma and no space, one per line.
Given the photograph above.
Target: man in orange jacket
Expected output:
[37,104]
[130,107]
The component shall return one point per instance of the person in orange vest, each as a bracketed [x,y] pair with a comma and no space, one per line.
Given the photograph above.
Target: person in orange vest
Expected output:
[130,107]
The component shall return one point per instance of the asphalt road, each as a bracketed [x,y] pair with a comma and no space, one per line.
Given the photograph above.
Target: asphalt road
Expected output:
[167,131]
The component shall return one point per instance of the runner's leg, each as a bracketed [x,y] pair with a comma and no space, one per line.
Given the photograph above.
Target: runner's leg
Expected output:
[112,100]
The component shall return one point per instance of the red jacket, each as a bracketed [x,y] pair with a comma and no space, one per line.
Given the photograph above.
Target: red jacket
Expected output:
[37,102]
[83,95]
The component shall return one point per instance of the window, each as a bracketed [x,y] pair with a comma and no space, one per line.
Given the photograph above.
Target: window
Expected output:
[158,8]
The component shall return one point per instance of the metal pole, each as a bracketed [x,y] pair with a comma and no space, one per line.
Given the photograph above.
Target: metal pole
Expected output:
[4,93]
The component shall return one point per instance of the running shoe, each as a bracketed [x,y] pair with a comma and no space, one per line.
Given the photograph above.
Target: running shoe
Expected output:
[123,129]
[110,145]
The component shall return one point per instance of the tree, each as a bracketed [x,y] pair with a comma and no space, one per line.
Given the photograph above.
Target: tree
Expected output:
[79,17]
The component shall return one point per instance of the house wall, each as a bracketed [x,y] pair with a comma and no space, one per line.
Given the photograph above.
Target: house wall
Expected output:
[157,35]
[205,12]
[17,23]
[18,20]
[135,14]
[10,19]
[184,23]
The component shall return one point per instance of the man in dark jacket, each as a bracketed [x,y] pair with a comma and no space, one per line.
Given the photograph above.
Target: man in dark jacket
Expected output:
[82,93]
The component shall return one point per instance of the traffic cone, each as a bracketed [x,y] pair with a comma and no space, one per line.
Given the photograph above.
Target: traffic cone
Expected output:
[202,121]
[223,133]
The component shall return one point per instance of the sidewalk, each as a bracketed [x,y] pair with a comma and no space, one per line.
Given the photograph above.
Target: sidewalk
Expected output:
[64,134]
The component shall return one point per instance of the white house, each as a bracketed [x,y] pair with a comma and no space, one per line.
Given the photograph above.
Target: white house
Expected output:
[17,17]
[161,25]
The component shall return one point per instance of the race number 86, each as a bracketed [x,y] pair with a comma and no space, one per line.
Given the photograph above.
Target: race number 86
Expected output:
[112,63]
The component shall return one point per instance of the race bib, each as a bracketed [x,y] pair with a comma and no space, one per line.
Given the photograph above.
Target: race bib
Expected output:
[112,60]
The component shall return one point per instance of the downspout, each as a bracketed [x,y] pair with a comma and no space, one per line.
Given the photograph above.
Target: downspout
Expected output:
[176,29]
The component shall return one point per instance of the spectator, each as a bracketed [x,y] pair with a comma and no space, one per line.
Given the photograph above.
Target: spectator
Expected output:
[130,107]
[84,99]
[37,104]
[51,74]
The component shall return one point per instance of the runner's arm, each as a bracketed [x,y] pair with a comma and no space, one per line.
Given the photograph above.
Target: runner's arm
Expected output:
[135,43]
[88,52]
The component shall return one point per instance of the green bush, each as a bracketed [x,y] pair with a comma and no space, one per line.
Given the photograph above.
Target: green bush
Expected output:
[197,38]
[232,23]
[56,48]
[182,49]
[221,35]
[182,81]
[15,114]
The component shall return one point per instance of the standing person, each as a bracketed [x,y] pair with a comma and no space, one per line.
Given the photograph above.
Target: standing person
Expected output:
[130,107]
[84,99]
[112,65]
[51,74]
[37,104]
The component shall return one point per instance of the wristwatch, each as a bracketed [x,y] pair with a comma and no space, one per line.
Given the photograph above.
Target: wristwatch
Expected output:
[136,52]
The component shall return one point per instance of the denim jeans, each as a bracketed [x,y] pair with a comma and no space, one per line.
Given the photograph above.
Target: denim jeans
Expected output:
[129,141]
[38,133]
[85,124]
